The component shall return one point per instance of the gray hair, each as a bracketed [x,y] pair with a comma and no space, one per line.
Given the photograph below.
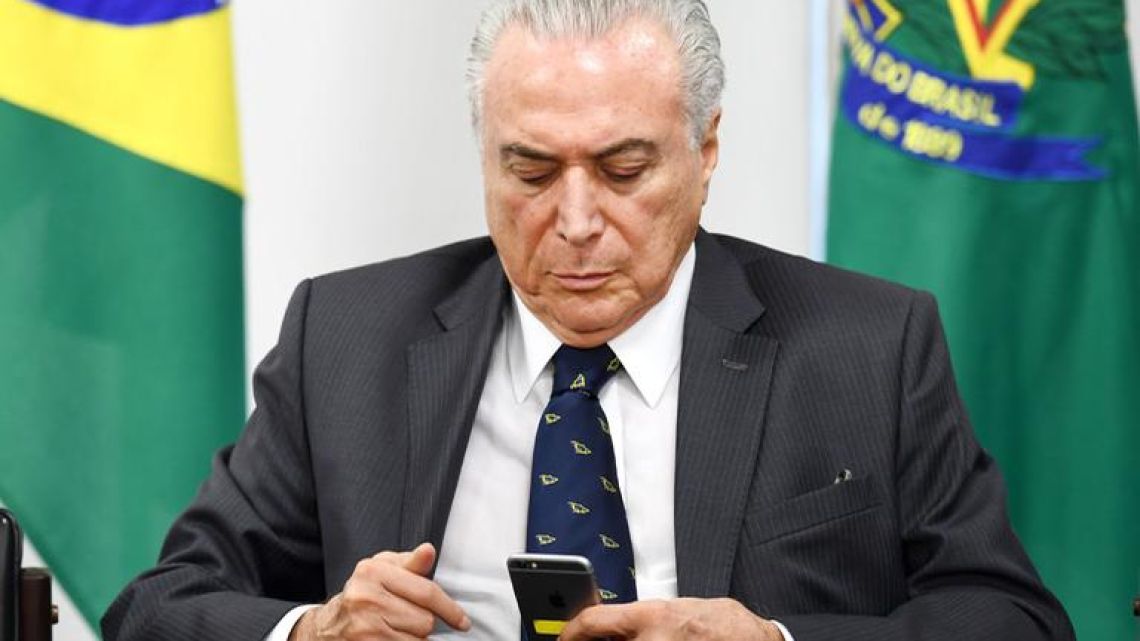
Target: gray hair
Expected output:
[702,70]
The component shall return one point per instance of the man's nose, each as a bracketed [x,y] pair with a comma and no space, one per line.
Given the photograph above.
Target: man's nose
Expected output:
[579,217]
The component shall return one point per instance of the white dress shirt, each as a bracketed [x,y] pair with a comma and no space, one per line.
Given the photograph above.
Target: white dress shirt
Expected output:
[488,515]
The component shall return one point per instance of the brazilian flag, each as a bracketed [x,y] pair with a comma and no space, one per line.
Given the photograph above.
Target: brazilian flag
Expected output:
[987,150]
[121,338]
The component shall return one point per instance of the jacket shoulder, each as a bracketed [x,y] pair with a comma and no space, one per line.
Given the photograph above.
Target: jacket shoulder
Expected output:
[398,295]
[780,266]
[445,265]
[801,295]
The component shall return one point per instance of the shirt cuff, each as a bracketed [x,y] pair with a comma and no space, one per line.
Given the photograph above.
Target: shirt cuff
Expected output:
[284,627]
[784,631]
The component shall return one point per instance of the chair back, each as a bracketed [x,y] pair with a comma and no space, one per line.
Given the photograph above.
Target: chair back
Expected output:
[11,548]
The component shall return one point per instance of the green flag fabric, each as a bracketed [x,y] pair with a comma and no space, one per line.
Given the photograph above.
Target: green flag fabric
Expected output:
[121,335]
[987,152]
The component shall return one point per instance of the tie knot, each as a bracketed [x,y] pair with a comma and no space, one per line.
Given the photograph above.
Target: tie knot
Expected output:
[584,370]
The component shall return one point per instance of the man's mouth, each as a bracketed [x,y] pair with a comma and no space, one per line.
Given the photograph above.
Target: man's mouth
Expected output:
[582,281]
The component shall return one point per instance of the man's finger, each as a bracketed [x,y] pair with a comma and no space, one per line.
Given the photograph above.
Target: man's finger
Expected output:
[428,595]
[607,620]
[390,577]
[408,618]
[421,559]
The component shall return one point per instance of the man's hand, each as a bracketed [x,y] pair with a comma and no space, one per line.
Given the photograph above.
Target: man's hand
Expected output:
[387,597]
[688,619]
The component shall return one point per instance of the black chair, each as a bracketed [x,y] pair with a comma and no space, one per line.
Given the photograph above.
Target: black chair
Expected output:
[26,611]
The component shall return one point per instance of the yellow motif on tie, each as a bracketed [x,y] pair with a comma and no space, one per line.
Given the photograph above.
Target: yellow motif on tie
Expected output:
[614,365]
[579,383]
[610,487]
[607,595]
[609,543]
[578,508]
[604,425]
[580,448]
[551,419]
[545,539]
[633,573]
[548,479]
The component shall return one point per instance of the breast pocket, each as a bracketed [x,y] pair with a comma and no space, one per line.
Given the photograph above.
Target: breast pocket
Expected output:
[835,549]
[819,507]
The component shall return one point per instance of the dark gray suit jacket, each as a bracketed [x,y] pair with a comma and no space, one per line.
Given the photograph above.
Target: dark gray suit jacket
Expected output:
[791,373]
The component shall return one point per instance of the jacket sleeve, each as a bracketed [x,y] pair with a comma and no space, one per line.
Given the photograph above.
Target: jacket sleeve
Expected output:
[247,550]
[967,575]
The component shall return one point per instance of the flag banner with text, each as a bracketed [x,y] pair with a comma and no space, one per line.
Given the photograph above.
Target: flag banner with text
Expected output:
[987,151]
[121,335]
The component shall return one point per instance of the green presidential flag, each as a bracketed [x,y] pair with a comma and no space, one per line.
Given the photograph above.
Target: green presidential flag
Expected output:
[121,347]
[987,151]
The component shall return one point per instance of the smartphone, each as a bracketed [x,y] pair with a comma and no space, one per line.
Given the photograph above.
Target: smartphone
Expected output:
[551,589]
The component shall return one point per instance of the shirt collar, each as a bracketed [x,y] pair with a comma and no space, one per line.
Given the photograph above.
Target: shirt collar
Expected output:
[650,350]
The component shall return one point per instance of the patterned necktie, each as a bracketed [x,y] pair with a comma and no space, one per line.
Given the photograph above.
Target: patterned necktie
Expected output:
[575,503]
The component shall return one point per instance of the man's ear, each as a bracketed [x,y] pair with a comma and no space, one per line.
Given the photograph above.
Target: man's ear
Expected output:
[710,151]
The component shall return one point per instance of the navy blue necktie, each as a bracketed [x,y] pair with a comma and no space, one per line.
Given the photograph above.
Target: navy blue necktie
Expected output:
[575,502]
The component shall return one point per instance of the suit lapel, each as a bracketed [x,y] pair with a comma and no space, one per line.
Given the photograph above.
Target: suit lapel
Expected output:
[725,376]
[445,380]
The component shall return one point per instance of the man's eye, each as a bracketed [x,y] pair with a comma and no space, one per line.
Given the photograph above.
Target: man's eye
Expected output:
[535,179]
[624,174]
[534,176]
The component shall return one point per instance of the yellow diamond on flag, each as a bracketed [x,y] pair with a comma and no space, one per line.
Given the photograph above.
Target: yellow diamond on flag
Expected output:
[578,508]
[580,448]
[609,543]
[552,418]
[608,485]
[548,479]
[579,382]
[545,539]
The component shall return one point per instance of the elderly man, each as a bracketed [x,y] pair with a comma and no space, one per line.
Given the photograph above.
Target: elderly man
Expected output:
[773,449]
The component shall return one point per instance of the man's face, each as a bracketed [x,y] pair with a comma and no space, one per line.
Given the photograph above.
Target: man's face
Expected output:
[593,190]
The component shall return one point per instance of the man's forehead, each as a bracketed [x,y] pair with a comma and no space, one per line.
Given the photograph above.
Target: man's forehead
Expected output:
[583,94]
[637,50]
[579,137]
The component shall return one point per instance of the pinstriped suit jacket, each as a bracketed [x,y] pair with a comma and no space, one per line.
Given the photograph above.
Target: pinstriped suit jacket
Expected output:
[792,373]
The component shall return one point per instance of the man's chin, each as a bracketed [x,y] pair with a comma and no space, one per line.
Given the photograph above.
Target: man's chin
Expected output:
[579,330]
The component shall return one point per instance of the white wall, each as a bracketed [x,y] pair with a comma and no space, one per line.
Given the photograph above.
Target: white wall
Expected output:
[357,147]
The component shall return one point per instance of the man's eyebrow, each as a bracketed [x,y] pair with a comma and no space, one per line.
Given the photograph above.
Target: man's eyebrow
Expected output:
[629,144]
[518,149]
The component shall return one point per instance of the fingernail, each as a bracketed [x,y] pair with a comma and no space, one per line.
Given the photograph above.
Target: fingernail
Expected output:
[466,623]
